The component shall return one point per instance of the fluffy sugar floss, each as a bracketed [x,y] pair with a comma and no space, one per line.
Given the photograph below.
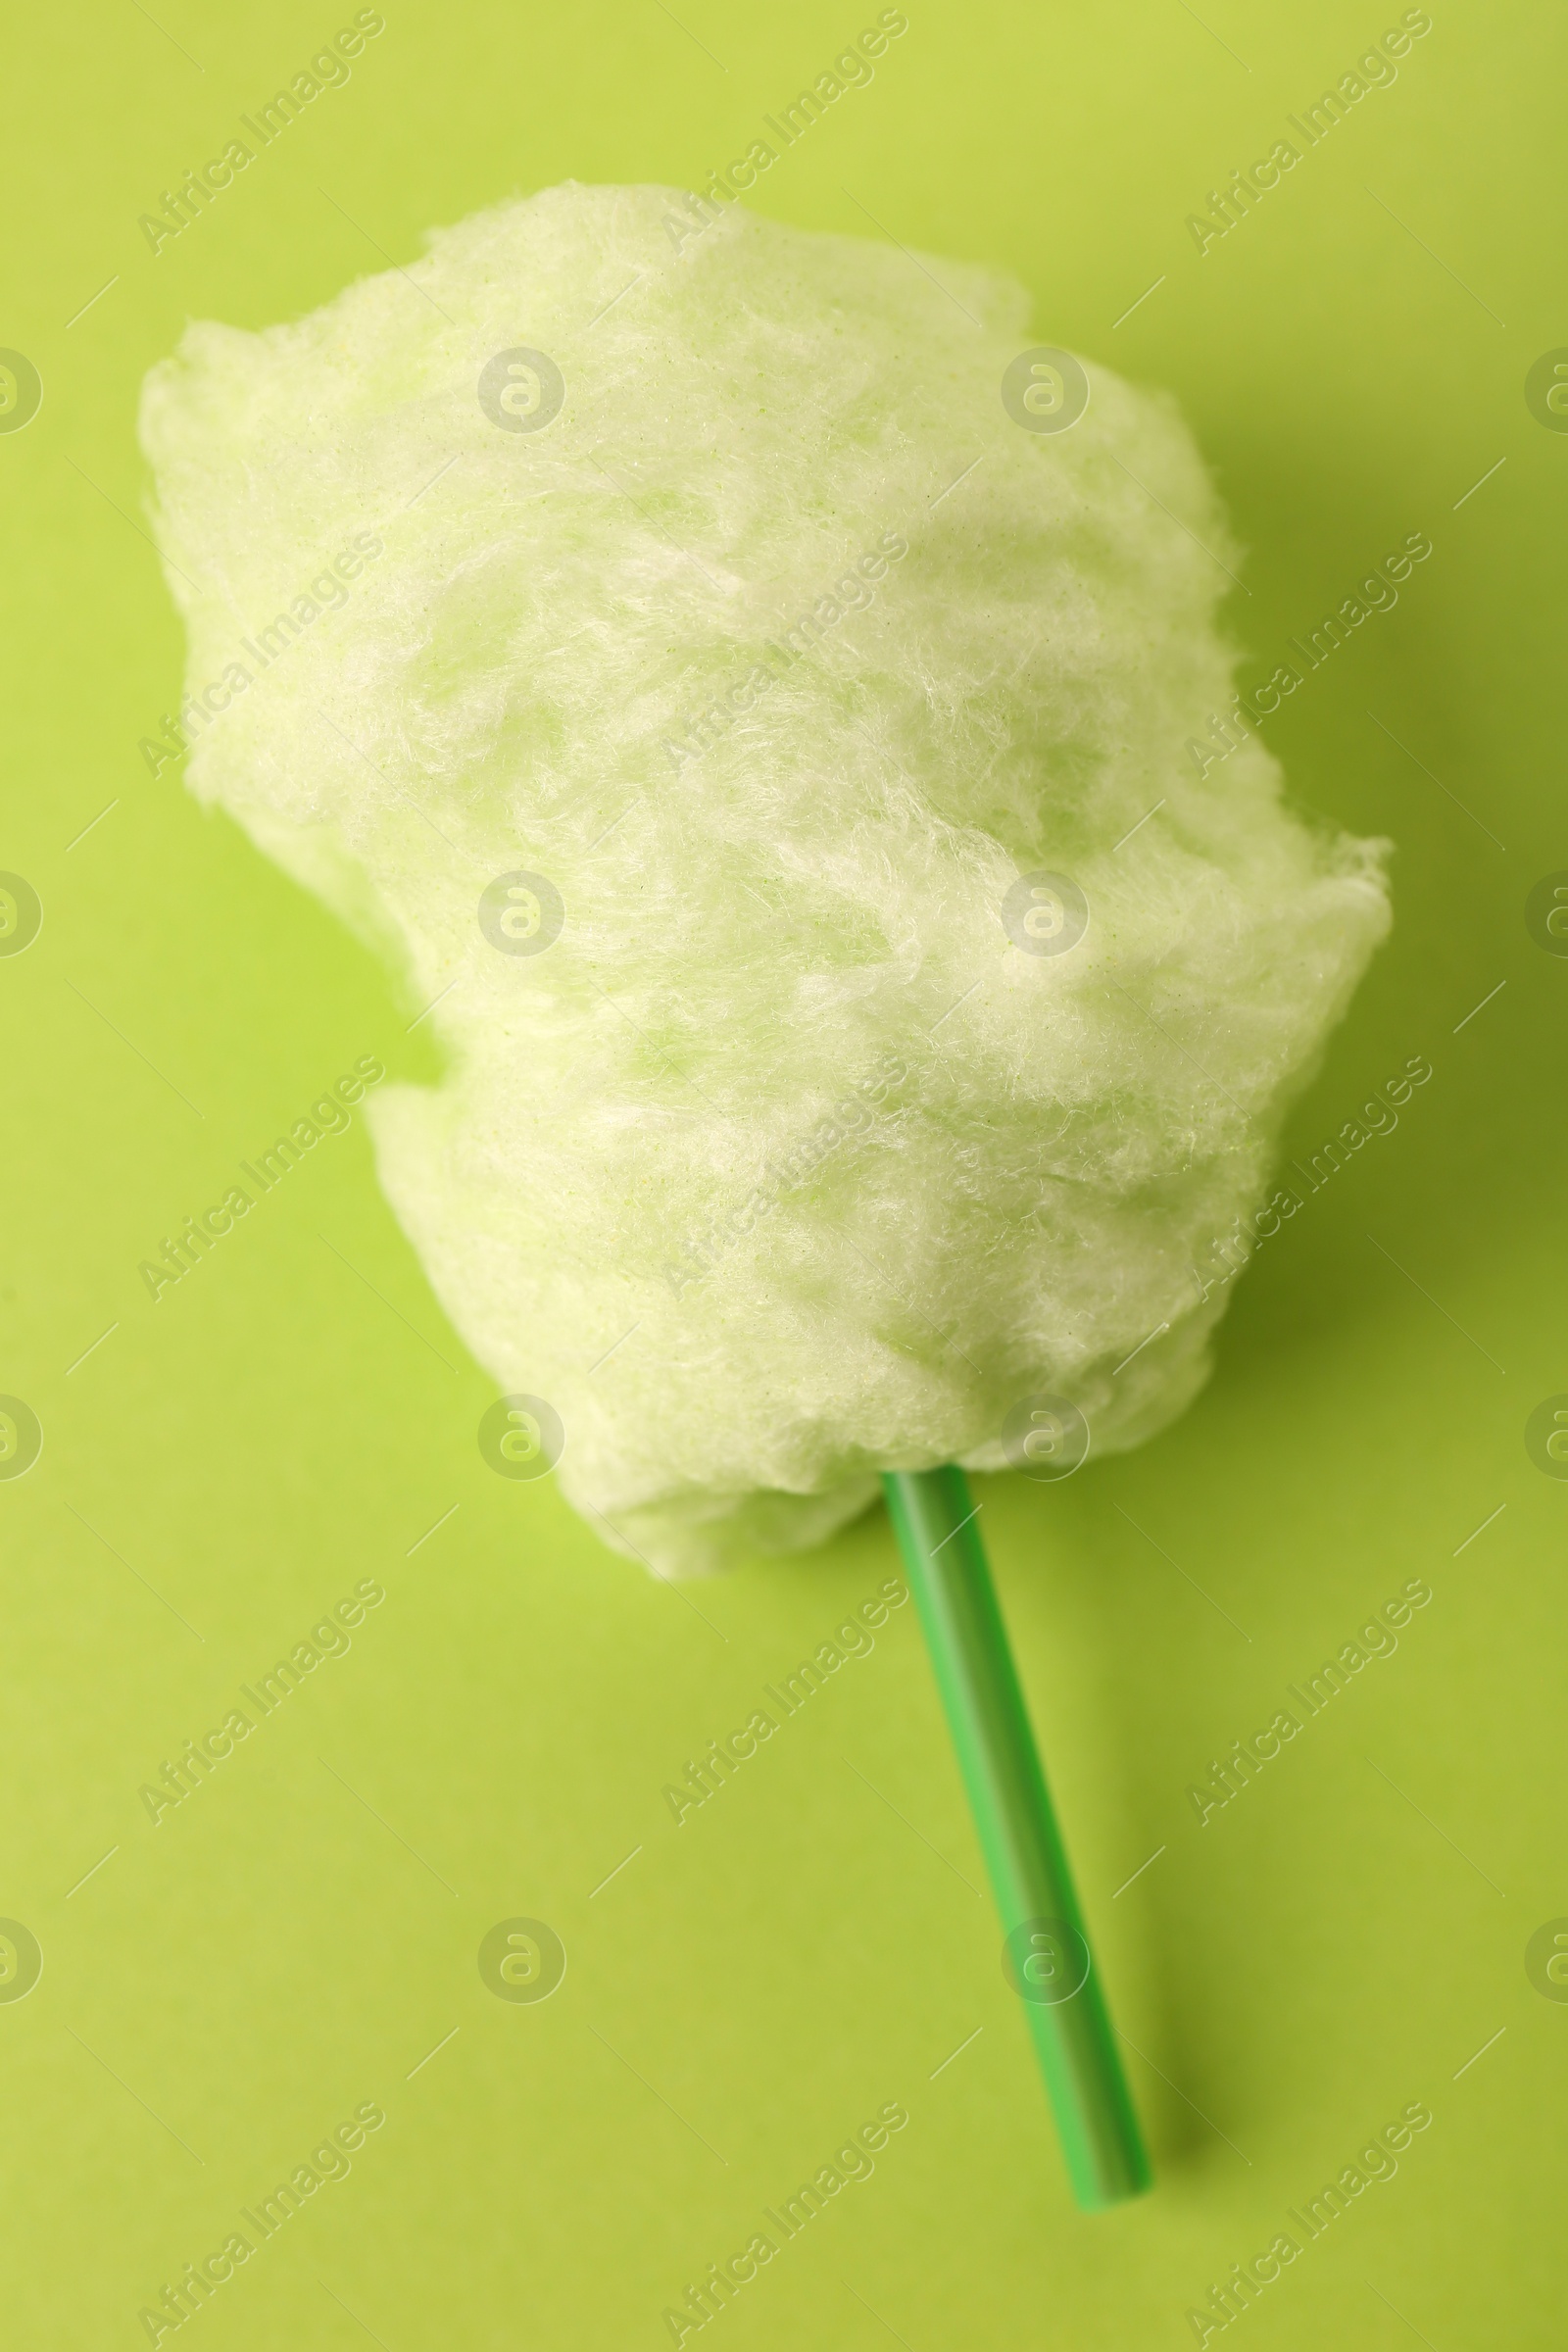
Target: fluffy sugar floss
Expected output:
[764,707]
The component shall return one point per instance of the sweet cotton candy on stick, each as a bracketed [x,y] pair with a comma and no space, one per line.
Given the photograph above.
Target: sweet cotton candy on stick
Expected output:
[765,739]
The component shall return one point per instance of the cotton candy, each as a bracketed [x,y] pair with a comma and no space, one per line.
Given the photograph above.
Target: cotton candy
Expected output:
[776,727]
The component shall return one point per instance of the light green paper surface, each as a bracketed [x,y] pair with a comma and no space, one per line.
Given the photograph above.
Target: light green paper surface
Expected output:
[761,1979]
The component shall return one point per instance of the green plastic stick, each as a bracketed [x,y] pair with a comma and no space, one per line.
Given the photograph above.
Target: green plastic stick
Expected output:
[1047,1956]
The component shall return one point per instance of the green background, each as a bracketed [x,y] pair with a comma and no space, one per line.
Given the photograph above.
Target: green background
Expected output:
[755,1983]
